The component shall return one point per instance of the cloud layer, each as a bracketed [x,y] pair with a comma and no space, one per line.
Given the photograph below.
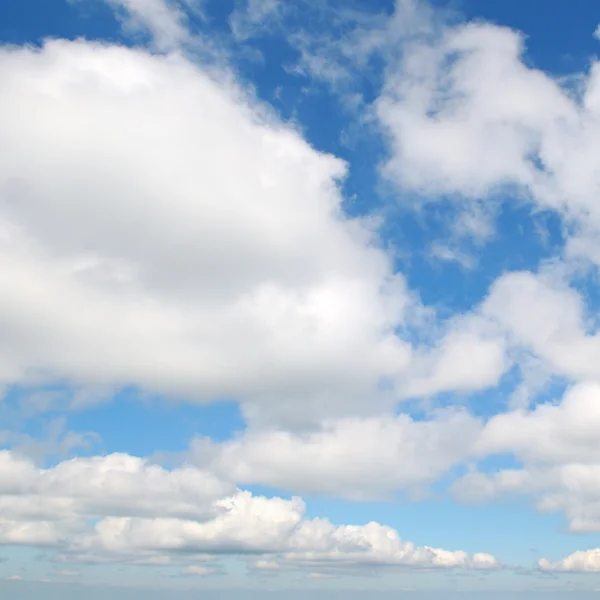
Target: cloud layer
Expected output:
[125,509]
[163,229]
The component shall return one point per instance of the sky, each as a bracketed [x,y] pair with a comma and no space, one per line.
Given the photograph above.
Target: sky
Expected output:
[299,299]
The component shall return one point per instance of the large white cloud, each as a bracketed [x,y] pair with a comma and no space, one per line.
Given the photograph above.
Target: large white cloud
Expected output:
[468,117]
[122,508]
[164,229]
[168,232]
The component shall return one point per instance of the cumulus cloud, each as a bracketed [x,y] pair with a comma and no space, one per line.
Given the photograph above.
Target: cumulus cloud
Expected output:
[205,254]
[353,458]
[583,561]
[452,132]
[554,443]
[187,242]
[121,508]
[467,118]
[543,314]
[549,433]
[557,447]
[99,485]
[445,367]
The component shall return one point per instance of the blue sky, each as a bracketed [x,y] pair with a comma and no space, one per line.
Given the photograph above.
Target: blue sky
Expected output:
[299,298]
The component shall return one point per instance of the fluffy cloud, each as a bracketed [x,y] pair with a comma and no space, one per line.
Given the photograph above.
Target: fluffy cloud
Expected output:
[272,528]
[182,239]
[187,242]
[445,366]
[557,446]
[547,317]
[555,443]
[113,485]
[465,114]
[353,458]
[467,118]
[583,561]
[550,433]
[121,508]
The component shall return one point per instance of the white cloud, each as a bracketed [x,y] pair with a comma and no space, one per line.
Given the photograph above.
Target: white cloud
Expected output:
[120,508]
[353,458]
[467,125]
[374,544]
[181,269]
[274,527]
[547,317]
[467,118]
[187,242]
[557,447]
[549,433]
[166,230]
[99,486]
[583,561]
[447,367]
